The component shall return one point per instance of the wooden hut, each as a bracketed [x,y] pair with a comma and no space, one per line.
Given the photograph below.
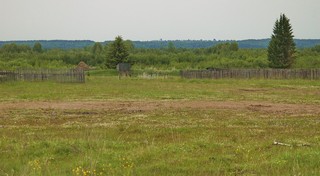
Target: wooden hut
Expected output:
[82,66]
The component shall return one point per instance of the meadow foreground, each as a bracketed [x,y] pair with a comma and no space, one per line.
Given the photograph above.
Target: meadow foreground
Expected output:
[160,127]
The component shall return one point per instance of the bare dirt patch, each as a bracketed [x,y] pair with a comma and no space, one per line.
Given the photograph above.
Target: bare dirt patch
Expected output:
[253,90]
[140,106]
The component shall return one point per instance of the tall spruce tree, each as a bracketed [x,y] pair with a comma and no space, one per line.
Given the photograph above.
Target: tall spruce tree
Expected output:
[281,48]
[117,52]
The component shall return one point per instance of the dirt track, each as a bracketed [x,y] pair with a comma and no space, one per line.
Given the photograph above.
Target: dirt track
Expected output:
[154,105]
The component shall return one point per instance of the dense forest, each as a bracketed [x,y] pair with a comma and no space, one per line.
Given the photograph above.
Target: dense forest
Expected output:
[167,57]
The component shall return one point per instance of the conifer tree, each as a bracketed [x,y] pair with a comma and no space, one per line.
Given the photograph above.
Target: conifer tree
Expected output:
[281,48]
[117,52]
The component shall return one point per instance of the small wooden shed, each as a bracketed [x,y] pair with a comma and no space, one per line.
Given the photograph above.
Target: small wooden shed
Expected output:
[124,69]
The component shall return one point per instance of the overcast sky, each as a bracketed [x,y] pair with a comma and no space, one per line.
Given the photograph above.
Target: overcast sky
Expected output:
[101,20]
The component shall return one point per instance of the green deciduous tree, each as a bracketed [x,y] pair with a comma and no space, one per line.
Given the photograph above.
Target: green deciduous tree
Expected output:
[316,48]
[281,48]
[37,47]
[223,48]
[97,48]
[171,47]
[97,54]
[14,48]
[129,44]
[117,52]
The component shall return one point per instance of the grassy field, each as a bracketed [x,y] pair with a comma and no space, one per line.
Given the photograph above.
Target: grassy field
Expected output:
[173,88]
[171,126]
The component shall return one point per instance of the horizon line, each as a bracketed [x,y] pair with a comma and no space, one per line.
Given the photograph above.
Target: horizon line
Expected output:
[30,40]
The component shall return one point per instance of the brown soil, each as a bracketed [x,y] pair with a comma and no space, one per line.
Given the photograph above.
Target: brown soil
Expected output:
[280,108]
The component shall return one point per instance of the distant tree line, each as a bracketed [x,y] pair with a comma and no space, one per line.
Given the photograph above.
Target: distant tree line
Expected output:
[281,53]
[157,44]
[224,55]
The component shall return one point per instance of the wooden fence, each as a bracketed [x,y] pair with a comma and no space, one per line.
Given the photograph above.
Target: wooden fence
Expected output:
[7,76]
[57,75]
[252,73]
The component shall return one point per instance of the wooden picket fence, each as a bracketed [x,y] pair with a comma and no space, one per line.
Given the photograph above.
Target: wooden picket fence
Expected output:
[57,75]
[252,73]
[7,76]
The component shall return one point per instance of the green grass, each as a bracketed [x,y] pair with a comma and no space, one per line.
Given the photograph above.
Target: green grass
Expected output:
[173,88]
[170,141]
[134,72]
